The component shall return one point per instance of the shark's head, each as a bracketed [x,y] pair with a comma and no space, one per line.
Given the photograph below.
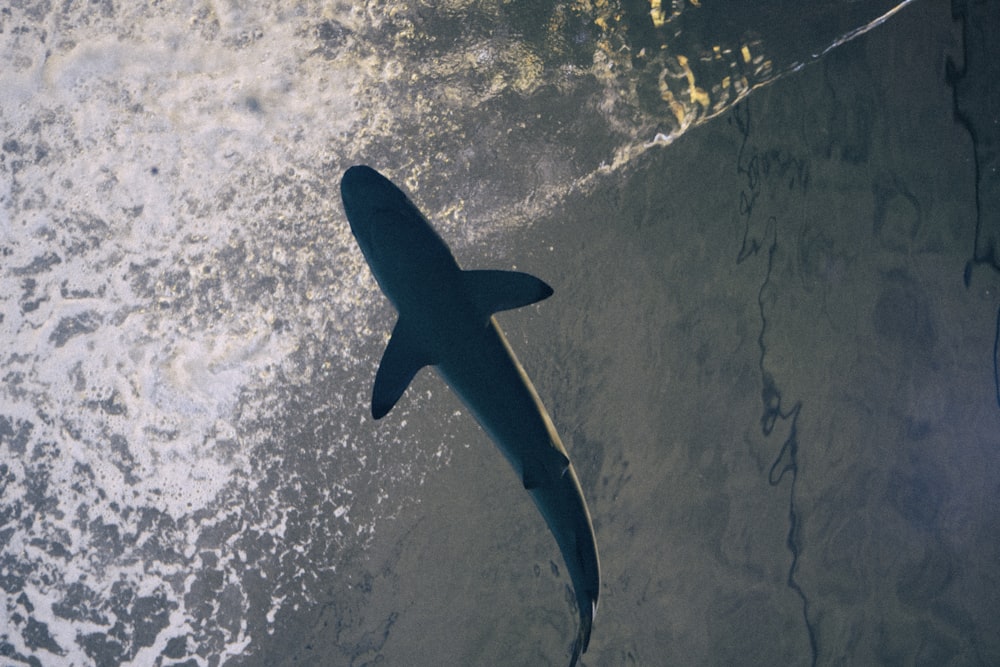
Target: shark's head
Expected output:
[394,236]
[369,198]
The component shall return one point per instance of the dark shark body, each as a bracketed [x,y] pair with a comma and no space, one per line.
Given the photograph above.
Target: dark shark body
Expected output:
[446,321]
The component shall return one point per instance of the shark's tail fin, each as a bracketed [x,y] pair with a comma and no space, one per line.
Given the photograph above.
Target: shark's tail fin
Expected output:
[582,637]
[577,650]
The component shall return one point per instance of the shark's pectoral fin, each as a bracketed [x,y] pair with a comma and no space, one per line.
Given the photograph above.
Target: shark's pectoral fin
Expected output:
[493,291]
[400,362]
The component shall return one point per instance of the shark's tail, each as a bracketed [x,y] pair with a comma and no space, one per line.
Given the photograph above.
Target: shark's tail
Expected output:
[582,637]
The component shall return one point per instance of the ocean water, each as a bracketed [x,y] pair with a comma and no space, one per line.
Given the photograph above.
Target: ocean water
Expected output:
[771,352]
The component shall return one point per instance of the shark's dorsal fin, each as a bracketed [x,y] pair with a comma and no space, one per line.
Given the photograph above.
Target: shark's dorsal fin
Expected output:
[493,291]
[400,362]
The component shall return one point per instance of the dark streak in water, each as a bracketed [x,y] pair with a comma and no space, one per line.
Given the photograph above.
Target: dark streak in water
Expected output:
[749,164]
[996,358]
[967,94]
[974,99]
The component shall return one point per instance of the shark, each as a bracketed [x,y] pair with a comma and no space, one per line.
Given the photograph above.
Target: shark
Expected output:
[446,320]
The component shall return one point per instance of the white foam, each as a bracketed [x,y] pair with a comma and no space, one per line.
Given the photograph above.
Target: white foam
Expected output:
[194,110]
[132,379]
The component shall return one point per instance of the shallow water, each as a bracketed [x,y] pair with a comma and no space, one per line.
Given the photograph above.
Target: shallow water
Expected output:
[770,351]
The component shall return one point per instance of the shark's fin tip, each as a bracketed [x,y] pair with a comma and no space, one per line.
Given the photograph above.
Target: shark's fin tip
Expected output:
[494,291]
[402,358]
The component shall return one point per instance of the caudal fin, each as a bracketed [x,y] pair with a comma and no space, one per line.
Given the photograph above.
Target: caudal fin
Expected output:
[582,638]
